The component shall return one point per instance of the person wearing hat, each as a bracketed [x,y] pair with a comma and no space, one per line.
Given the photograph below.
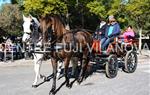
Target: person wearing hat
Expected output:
[112,30]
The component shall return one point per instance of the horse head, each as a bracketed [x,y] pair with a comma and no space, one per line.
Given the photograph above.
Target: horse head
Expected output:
[30,27]
[51,27]
[46,26]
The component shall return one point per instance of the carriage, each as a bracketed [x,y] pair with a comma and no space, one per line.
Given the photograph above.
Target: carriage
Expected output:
[120,54]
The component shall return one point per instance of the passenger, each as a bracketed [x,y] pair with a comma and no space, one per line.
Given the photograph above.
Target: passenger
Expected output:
[128,34]
[112,31]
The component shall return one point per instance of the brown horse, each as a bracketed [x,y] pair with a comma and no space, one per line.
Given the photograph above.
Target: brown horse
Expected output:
[72,41]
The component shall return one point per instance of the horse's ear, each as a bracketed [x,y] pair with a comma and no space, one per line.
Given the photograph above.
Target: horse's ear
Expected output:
[40,17]
[31,16]
[24,17]
[52,20]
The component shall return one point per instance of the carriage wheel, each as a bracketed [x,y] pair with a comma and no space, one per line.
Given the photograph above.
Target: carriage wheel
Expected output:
[130,64]
[111,67]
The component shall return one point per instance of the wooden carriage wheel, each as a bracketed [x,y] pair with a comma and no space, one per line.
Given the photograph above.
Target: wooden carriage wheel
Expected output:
[131,61]
[111,67]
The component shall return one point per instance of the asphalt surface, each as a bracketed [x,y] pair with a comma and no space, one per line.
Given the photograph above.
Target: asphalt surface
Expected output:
[16,79]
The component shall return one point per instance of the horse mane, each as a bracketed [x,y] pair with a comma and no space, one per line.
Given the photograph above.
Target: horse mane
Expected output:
[59,26]
[36,33]
[60,19]
[53,23]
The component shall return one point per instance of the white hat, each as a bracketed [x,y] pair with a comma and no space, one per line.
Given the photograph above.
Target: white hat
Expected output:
[111,17]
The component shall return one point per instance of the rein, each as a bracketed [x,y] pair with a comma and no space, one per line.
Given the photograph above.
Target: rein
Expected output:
[54,41]
[71,31]
[27,33]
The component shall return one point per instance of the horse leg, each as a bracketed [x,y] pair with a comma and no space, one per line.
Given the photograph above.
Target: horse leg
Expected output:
[37,65]
[60,64]
[54,65]
[66,63]
[74,62]
[84,65]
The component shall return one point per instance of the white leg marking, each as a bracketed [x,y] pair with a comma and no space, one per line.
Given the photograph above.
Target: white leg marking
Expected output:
[37,66]
[60,64]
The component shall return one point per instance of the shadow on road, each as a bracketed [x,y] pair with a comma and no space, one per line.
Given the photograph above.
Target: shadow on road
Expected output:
[47,79]
[94,68]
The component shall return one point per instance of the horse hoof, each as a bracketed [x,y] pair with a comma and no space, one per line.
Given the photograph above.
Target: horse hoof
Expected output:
[34,86]
[76,83]
[52,92]
[58,77]
[45,79]
[42,77]
[68,86]
[79,82]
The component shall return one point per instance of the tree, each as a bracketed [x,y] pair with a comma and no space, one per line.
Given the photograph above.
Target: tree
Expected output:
[11,19]
[74,11]
[97,8]
[103,8]
[138,11]
[80,16]
[87,12]
[43,7]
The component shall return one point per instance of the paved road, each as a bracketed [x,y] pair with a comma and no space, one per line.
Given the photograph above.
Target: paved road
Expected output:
[16,79]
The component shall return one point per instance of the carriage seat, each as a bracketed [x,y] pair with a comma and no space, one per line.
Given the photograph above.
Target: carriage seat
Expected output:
[126,41]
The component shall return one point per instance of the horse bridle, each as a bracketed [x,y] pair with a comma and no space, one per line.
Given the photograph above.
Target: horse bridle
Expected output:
[33,24]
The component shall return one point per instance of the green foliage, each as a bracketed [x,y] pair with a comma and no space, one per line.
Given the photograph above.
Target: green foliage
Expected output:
[134,12]
[97,8]
[42,7]
[115,7]
[82,13]
[103,8]
[138,11]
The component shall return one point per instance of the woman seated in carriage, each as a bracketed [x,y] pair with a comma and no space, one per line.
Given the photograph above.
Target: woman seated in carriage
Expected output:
[129,34]
[112,31]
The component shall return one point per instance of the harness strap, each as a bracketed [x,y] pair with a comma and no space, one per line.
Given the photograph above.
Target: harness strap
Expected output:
[28,33]
[74,41]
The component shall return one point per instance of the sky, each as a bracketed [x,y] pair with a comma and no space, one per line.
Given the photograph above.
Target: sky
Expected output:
[4,1]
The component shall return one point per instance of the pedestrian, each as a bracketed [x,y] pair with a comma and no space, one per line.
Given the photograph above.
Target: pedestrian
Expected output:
[2,47]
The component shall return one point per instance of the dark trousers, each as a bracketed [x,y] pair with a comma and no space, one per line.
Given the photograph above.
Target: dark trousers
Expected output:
[98,36]
[1,56]
[106,41]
